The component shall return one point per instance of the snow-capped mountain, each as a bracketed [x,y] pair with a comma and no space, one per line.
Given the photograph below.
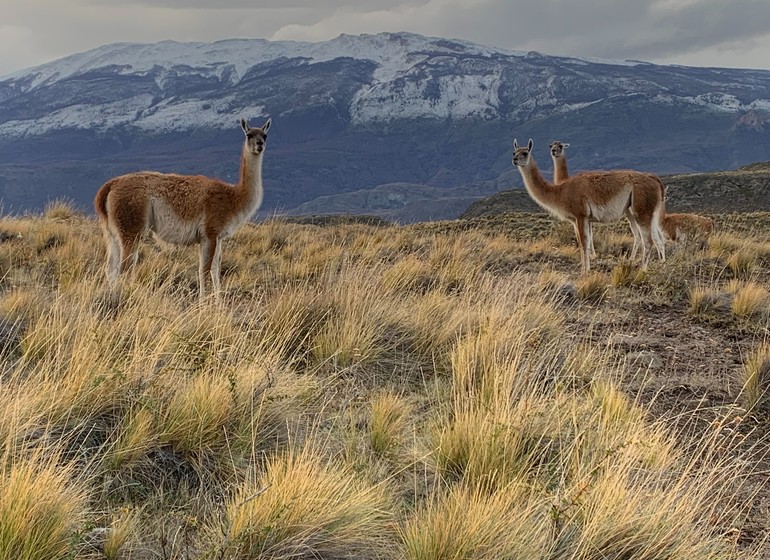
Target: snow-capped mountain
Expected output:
[225,64]
[361,111]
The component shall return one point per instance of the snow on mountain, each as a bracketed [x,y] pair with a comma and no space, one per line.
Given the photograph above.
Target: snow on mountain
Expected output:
[413,77]
[156,88]
[455,96]
[395,56]
[393,52]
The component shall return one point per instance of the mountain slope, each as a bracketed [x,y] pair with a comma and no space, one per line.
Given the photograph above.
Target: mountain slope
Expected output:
[360,112]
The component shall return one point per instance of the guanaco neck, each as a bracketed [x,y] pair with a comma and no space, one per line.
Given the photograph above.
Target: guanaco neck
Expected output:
[560,172]
[250,182]
[544,193]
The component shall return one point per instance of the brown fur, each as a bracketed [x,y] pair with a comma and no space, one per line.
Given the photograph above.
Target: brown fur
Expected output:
[181,209]
[678,227]
[561,174]
[602,196]
[559,157]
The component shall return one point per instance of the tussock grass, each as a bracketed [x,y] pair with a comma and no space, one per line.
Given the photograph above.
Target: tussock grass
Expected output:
[743,262]
[609,527]
[59,210]
[40,507]
[302,504]
[750,301]
[725,243]
[466,523]
[746,301]
[756,380]
[123,532]
[353,333]
[710,304]
[388,423]
[196,415]
[135,438]
[359,391]
[593,287]
[624,274]
[410,274]
[485,449]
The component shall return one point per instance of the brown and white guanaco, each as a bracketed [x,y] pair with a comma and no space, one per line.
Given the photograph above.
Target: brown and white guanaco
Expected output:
[181,209]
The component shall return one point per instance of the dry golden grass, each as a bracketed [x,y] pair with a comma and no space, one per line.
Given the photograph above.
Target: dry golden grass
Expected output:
[41,506]
[303,506]
[416,392]
[743,262]
[388,423]
[466,524]
[750,300]
[59,210]
[709,303]
[593,287]
[626,274]
[123,530]
[756,380]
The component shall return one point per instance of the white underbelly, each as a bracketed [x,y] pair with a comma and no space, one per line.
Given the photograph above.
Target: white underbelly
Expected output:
[169,227]
[612,211]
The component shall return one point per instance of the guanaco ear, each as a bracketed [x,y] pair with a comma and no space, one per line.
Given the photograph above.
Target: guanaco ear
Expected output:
[244,125]
[266,126]
[565,145]
[530,144]
[515,144]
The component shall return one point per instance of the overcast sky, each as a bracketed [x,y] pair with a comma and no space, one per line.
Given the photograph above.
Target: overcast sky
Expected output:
[692,32]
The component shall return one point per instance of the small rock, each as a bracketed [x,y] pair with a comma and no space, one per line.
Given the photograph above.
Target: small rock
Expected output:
[723,304]
[94,539]
[622,340]
[645,359]
[567,292]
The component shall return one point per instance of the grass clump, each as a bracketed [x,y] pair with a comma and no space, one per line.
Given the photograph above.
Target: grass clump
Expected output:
[710,304]
[303,505]
[466,524]
[484,449]
[40,508]
[135,438]
[123,531]
[196,415]
[60,210]
[743,262]
[626,274]
[593,287]
[388,423]
[756,380]
[750,301]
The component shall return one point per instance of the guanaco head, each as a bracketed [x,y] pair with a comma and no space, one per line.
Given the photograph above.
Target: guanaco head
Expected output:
[256,138]
[522,156]
[557,148]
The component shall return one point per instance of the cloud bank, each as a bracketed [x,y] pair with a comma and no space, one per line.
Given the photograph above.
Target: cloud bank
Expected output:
[690,32]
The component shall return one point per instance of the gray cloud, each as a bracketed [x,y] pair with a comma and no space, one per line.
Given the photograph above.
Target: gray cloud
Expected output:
[701,32]
[328,5]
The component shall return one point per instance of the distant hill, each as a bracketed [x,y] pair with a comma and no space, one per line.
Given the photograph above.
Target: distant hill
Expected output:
[423,124]
[744,190]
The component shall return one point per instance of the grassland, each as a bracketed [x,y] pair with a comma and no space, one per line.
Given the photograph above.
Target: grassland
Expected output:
[438,391]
